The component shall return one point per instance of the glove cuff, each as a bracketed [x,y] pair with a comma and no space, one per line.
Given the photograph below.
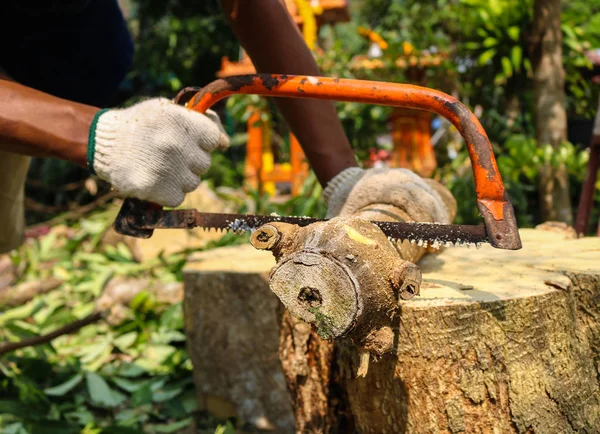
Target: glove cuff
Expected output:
[341,184]
[91,151]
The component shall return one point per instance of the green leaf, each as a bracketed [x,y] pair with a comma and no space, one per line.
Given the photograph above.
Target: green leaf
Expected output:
[129,418]
[94,227]
[472,46]
[89,353]
[14,428]
[166,394]
[158,383]
[172,318]
[96,258]
[490,42]
[495,7]
[516,55]
[484,16]
[130,386]
[20,312]
[507,66]
[64,388]
[142,396]
[170,427]
[139,300]
[513,33]
[486,56]
[482,33]
[125,341]
[47,244]
[131,370]
[225,429]
[167,336]
[82,416]
[568,31]
[43,314]
[158,353]
[100,392]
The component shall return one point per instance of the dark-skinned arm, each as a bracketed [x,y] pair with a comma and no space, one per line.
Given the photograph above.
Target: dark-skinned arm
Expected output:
[274,43]
[40,125]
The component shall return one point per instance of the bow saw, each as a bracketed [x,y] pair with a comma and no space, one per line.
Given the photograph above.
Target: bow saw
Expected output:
[139,218]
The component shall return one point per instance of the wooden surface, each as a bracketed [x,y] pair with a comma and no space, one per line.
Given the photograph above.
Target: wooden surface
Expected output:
[495,274]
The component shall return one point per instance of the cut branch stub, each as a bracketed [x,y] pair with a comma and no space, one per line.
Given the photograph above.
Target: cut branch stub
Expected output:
[406,279]
[303,281]
[343,276]
[265,238]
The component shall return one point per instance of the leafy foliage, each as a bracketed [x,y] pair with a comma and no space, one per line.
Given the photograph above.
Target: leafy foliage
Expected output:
[131,376]
[488,68]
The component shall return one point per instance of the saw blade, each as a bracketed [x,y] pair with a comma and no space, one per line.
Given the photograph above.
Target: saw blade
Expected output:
[423,234]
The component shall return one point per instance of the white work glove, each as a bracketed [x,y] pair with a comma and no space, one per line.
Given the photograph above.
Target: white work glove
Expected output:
[154,150]
[420,199]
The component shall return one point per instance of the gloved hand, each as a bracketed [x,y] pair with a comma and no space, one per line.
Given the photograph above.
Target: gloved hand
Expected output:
[417,199]
[154,150]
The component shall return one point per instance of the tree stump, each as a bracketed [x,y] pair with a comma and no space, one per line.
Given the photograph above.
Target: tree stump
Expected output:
[232,334]
[496,342]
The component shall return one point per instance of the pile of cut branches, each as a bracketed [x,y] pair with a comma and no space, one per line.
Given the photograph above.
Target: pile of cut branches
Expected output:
[123,365]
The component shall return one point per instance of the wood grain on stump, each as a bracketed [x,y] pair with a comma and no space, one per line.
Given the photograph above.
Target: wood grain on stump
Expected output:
[498,341]
[232,335]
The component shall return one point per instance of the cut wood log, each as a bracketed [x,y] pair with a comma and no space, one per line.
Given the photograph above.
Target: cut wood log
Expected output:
[497,341]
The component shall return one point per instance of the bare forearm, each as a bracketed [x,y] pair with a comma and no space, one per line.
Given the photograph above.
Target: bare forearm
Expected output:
[40,125]
[275,45]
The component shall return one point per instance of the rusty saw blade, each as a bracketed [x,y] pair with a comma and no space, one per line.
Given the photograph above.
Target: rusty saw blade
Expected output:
[423,234]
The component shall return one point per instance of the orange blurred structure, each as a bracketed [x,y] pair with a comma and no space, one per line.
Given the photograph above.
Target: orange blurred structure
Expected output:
[332,11]
[261,171]
[411,135]
[410,129]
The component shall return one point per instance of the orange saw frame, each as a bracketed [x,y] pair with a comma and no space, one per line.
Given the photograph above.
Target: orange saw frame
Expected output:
[492,199]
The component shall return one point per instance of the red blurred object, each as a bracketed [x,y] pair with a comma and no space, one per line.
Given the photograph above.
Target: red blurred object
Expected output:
[378,158]
[37,232]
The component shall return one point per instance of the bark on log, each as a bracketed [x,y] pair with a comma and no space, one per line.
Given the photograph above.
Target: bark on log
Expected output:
[497,341]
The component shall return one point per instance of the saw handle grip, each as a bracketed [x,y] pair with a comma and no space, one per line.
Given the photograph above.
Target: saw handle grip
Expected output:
[134,209]
[492,198]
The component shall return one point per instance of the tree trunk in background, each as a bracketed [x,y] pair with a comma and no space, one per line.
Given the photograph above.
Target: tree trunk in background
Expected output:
[549,101]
